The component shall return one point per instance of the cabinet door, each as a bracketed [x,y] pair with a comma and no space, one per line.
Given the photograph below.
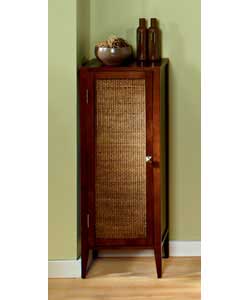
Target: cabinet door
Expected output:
[120,159]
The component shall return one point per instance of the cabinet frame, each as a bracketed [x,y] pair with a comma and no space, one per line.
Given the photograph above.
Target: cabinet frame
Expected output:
[156,77]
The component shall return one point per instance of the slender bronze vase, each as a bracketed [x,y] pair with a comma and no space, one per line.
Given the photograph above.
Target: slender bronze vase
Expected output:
[141,40]
[154,41]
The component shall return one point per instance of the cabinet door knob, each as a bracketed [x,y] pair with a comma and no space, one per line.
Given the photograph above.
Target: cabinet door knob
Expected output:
[149,159]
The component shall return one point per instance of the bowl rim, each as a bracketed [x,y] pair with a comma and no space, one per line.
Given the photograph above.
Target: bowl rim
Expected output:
[101,47]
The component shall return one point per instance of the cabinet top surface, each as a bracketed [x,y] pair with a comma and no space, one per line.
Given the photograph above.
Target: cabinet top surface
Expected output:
[133,65]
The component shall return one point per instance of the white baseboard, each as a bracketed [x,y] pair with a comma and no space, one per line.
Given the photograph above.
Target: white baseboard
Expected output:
[126,253]
[184,248]
[176,248]
[72,268]
[64,268]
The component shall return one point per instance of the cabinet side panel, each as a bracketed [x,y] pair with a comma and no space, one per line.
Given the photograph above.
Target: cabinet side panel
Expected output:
[164,149]
[82,164]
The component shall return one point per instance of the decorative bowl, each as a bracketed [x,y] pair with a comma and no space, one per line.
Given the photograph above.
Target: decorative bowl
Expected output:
[113,56]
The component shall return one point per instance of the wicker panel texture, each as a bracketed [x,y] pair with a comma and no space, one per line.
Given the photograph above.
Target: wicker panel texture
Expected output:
[120,159]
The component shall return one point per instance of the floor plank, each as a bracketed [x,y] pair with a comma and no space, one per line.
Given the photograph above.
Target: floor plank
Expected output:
[132,279]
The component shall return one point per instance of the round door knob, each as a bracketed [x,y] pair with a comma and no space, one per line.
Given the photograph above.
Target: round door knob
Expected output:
[149,159]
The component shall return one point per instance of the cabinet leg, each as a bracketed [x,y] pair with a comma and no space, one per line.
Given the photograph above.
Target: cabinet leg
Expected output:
[158,261]
[85,256]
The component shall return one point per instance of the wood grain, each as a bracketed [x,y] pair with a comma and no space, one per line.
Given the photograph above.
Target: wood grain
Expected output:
[132,279]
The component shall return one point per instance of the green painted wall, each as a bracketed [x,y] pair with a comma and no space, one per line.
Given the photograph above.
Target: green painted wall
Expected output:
[180,25]
[74,27]
[64,51]
[83,45]
[83,30]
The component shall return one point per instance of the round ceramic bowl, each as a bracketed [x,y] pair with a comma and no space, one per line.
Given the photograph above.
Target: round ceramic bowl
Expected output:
[113,56]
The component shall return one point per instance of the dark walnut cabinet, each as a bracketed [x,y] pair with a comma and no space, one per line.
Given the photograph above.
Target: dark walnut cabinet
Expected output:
[124,158]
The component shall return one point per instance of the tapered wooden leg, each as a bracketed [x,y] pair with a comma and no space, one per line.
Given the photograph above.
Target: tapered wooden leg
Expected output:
[158,261]
[85,255]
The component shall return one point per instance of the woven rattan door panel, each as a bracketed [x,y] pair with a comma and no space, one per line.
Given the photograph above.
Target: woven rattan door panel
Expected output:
[120,199]
[121,144]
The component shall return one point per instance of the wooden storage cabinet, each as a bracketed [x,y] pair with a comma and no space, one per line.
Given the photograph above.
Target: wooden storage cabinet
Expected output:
[124,158]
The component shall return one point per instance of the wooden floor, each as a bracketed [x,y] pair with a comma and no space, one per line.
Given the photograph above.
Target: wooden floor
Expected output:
[132,279]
